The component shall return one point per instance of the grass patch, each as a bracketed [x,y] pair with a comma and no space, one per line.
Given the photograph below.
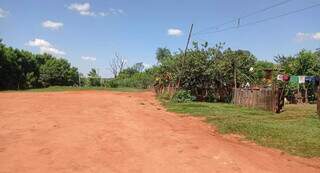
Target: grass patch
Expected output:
[67,88]
[296,130]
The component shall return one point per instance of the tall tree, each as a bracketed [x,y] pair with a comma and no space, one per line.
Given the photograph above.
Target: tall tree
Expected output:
[162,54]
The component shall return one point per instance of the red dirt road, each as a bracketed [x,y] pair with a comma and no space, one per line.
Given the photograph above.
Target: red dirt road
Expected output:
[106,132]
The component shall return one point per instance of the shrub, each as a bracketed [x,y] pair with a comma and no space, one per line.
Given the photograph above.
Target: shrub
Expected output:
[113,83]
[183,96]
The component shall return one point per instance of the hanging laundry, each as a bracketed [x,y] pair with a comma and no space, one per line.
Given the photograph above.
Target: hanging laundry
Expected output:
[286,78]
[302,79]
[294,80]
[310,79]
[317,80]
[280,77]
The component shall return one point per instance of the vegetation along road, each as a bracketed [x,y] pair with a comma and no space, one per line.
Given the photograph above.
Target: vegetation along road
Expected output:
[106,131]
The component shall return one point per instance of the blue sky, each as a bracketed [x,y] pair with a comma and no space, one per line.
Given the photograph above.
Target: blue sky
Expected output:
[88,33]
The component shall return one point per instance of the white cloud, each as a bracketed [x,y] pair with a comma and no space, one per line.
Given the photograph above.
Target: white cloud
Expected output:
[112,11]
[51,50]
[103,14]
[39,43]
[174,32]
[88,58]
[52,25]
[3,13]
[45,47]
[301,36]
[316,36]
[83,9]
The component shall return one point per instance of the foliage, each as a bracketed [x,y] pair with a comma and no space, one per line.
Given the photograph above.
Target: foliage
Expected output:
[21,69]
[163,54]
[211,73]
[71,88]
[207,72]
[182,96]
[258,70]
[165,96]
[134,77]
[139,80]
[94,78]
[129,72]
[295,131]
[57,72]
[304,63]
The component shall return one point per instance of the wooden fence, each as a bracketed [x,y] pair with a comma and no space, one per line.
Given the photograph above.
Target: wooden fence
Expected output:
[264,98]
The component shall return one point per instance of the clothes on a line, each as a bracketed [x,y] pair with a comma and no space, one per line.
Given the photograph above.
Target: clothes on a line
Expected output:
[298,79]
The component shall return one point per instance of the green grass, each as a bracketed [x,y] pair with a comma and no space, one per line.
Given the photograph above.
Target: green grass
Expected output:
[295,131]
[66,88]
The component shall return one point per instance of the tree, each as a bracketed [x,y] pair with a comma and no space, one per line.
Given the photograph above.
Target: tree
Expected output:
[162,54]
[258,70]
[304,63]
[94,78]
[21,69]
[138,66]
[207,72]
[307,63]
[58,72]
[117,64]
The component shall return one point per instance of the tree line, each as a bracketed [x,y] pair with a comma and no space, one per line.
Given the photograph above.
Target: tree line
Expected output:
[20,69]
[211,73]
[205,73]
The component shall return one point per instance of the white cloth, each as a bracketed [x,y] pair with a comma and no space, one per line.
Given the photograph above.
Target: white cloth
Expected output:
[280,77]
[302,79]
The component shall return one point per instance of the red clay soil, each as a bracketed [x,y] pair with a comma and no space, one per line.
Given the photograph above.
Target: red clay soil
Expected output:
[103,132]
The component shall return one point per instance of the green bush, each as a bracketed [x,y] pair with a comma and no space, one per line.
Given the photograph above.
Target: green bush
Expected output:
[113,83]
[183,96]
[140,80]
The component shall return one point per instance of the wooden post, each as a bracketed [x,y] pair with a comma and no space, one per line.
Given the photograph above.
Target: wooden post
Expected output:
[184,57]
[79,80]
[318,101]
[188,41]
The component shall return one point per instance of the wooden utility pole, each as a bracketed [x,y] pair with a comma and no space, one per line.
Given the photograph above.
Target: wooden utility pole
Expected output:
[189,37]
[185,54]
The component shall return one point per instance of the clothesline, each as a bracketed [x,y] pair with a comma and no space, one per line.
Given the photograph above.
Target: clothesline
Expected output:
[298,79]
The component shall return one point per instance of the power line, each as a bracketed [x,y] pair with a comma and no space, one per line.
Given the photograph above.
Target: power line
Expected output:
[262,20]
[247,15]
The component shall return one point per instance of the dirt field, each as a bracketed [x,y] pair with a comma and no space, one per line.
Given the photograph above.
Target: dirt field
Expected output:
[102,132]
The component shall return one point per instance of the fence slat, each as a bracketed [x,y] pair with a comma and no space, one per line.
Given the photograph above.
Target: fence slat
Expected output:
[262,98]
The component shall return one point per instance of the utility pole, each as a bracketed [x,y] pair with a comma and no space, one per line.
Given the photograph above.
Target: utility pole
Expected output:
[189,37]
[185,53]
